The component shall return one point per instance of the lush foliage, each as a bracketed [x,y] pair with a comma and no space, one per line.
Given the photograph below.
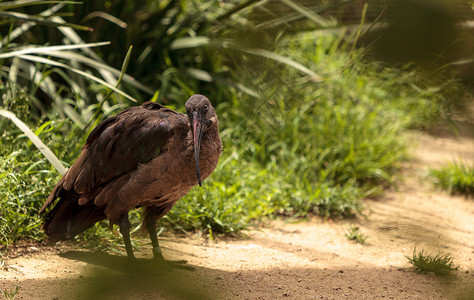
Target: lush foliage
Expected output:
[313,147]
[26,176]
[456,178]
[308,127]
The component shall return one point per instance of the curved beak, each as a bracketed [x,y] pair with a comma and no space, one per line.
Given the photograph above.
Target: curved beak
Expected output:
[198,119]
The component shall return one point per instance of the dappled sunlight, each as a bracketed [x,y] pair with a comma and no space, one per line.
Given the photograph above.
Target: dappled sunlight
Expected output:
[332,115]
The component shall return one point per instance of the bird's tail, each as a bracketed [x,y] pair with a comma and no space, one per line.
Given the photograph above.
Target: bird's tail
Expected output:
[68,218]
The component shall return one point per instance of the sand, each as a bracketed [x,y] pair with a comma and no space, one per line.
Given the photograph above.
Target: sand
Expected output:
[283,259]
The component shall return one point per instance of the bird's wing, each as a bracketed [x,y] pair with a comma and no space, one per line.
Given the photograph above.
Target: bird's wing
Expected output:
[118,144]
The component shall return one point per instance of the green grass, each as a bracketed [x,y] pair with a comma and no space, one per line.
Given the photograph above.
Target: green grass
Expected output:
[437,264]
[307,126]
[307,148]
[10,294]
[456,178]
[27,179]
[353,233]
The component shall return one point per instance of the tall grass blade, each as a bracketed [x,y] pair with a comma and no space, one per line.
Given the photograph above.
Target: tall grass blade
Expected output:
[292,17]
[190,42]
[100,66]
[42,21]
[72,36]
[359,28]
[36,141]
[306,12]
[199,41]
[284,60]
[106,16]
[122,73]
[244,5]
[27,25]
[77,71]
[206,76]
[23,3]
[44,50]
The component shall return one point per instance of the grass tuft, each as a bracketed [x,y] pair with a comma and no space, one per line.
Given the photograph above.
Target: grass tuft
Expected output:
[10,294]
[437,264]
[353,233]
[456,178]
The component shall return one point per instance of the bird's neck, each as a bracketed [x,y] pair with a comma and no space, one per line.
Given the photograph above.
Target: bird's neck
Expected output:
[211,147]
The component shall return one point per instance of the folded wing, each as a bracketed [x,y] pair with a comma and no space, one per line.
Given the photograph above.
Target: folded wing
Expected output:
[118,145]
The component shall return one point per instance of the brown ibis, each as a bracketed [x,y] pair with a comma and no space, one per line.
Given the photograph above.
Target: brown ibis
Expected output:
[146,156]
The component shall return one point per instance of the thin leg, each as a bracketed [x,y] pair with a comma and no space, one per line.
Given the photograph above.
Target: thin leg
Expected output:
[151,216]
[124,225]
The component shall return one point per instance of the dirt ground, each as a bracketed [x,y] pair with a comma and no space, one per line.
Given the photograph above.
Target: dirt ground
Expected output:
[310,259]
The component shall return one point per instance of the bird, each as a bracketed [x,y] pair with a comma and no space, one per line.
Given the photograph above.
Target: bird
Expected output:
[146,156]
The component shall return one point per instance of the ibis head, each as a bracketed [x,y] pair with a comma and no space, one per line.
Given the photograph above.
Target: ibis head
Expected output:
[201,116]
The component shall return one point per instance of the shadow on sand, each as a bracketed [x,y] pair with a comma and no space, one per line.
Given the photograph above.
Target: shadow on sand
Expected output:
[112,277]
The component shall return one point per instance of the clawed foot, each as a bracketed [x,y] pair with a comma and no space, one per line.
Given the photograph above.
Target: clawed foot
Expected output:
[170,265]
[156,266]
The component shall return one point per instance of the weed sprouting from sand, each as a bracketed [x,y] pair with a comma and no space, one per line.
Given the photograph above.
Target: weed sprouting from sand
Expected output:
[10,294]
[353,233]
[437,264]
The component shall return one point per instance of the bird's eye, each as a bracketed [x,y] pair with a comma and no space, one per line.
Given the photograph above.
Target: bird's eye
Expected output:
[206,107]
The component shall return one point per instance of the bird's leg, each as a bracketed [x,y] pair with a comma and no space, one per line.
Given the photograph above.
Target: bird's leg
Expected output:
[151,216]
[124,225]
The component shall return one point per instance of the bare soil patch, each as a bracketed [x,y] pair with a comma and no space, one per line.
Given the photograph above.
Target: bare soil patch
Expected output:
[311,259]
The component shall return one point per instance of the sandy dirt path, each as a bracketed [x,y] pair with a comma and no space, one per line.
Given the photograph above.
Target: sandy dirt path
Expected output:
[311,259]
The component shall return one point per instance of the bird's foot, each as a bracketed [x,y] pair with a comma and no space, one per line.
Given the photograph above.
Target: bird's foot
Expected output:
[133,266]
[179,264]
[170,265]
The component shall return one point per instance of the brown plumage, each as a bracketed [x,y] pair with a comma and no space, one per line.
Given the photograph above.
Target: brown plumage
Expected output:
[147,156]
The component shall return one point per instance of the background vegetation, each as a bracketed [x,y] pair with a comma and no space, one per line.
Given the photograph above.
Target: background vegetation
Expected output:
[456,178]
[311,123]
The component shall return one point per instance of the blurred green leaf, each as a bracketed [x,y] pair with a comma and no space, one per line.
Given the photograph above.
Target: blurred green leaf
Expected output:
[41,21]
[38,143]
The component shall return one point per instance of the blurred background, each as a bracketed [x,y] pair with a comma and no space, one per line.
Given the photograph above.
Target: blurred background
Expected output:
[314,97]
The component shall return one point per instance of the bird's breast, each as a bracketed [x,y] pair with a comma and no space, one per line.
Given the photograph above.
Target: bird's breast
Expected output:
[173,173]
[209,156]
